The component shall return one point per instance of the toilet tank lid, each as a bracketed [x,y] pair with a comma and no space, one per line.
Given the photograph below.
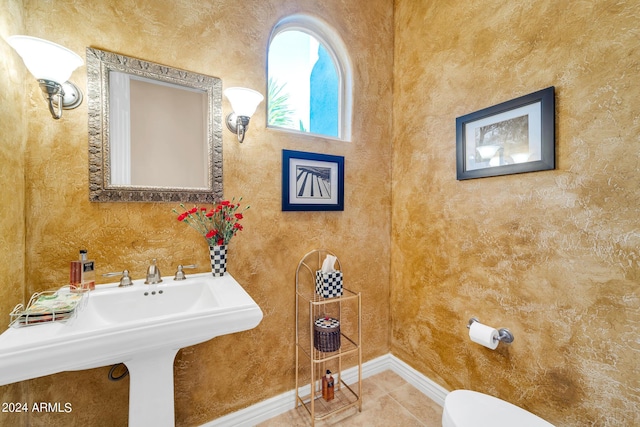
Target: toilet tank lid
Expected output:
[470,408]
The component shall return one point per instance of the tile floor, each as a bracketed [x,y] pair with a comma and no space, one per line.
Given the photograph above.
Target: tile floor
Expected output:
[387,400]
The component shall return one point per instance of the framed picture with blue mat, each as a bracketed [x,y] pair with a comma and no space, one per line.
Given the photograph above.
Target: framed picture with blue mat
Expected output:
[312,182]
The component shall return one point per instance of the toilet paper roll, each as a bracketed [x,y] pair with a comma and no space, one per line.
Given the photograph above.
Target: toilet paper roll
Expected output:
[484,335]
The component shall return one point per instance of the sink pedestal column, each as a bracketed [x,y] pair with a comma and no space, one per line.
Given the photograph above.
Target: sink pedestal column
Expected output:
[151,389]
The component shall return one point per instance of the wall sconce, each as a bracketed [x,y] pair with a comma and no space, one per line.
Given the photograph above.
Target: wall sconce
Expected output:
[52,65]
[244,103]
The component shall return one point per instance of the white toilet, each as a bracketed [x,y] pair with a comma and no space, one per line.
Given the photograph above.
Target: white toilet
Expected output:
[466,408]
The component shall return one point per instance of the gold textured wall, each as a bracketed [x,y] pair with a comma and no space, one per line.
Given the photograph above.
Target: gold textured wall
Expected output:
[13,136]
[12,172]
[552,255]
[226,39]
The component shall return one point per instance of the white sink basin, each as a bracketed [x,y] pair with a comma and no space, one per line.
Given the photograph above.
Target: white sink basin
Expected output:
[142,326]
[154,302]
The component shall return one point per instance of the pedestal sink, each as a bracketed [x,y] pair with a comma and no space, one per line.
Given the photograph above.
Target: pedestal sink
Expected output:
[142,326]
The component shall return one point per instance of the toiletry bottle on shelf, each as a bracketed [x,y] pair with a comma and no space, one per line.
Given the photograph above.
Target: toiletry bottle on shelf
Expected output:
[88,271]
[327,386]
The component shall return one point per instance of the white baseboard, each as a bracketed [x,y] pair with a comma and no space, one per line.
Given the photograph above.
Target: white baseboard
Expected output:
[427,386]
[284,402]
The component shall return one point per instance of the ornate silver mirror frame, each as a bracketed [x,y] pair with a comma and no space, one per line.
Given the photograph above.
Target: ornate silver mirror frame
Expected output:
[101,188]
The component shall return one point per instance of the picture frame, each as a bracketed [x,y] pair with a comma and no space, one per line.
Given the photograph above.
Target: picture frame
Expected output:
[516,136]
[312,182]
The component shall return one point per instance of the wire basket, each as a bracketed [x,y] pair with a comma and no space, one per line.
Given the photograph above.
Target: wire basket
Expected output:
[47,306]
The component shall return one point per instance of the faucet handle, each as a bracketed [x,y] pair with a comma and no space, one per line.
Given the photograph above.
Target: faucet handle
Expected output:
[125,280]
[153,274]
[180,274]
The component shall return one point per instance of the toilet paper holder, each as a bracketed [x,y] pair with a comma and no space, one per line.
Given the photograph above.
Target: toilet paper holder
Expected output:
[504,336]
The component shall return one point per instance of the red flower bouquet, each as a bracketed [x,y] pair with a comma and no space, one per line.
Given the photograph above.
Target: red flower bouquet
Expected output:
[217,224]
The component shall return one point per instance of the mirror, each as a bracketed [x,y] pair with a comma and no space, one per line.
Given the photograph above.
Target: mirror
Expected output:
[155,132]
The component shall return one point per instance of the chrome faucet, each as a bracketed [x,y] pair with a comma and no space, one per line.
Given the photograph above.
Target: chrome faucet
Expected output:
[125,280]
[180,272]
[153,274]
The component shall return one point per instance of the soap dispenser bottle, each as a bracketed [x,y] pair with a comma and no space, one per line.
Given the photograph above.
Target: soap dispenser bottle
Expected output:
[327,386]
[88,272]
[75,276]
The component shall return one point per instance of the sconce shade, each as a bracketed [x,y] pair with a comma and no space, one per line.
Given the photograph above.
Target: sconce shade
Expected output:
[44,59]
[243,101]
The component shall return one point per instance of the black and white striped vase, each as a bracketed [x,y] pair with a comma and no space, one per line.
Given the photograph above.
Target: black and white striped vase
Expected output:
[218,260]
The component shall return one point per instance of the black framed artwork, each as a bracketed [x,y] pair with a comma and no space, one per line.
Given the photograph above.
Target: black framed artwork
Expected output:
[513,137]
[312,182]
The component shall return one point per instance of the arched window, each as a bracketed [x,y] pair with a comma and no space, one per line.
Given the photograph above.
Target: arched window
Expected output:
[309,78]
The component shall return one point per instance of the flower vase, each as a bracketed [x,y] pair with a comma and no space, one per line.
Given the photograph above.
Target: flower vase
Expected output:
[218,260]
